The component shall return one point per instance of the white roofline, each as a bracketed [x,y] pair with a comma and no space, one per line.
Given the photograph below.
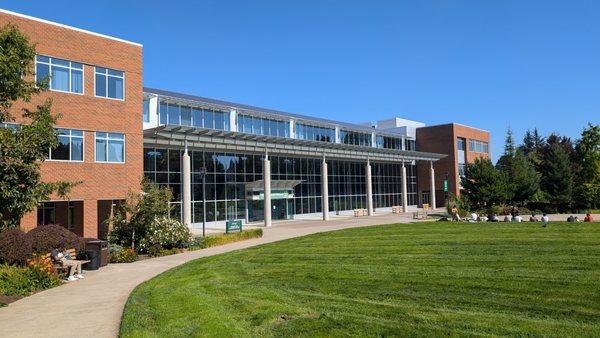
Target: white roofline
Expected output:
[68,27]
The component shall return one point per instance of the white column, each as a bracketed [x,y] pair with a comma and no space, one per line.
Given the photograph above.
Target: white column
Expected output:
[186,202]
[369,190]
[325,191]
[404,189]
[432,188]
[292,128]
[233,120]
[267,188]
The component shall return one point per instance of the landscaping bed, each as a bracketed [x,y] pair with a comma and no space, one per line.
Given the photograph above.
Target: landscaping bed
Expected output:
[426,279]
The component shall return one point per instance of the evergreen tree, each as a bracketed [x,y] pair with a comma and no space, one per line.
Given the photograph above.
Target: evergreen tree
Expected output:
[484,185]
[524,178]
[23,149]
[587,191]
[557,176]
[504,162]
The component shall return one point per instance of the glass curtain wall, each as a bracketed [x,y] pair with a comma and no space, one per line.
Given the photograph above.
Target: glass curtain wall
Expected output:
[355,138]
[260,126]
[192,116]
[227,175]
[314,133]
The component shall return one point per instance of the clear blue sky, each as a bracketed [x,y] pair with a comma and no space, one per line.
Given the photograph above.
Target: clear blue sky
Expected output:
[488,64]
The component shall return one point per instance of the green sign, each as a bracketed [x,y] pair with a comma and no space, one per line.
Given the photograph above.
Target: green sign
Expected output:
[233,226]
[445,185]
[275,195]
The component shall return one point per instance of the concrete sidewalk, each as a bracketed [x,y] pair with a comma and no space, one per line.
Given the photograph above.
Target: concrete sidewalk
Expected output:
[92,307]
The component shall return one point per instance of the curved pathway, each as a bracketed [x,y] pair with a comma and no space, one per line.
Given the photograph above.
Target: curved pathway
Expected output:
[93,306]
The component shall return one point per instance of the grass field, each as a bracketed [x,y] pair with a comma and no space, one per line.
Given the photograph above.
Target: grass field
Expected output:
[427,279]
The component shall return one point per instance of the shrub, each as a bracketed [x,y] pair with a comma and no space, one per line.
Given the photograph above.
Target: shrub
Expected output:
[23,281]
[461,202]
[165,232]
[215,240]
[15,246]
[44,238]
[158,251]
[127,255]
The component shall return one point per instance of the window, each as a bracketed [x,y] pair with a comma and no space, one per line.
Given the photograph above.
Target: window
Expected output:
[70,146]
[110,147]
[314,133]
[46,213]
[110,83]
[64,75]
[11,126]
[355,138]
[146,110]
[460,143]
[261,126]
[478,146]
[170,113]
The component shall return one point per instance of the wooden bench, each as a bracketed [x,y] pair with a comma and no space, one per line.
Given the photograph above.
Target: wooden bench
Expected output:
[58,266]
[360,212]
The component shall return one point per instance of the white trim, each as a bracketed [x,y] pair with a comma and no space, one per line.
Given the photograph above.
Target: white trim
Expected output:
[70,148]
[70,73]
[68,27]
[107,139]
[107,75]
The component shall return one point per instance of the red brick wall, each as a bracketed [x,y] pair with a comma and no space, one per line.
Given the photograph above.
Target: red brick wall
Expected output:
[442,139]
[100,181]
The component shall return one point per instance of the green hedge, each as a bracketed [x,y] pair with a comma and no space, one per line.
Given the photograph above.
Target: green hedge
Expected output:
[216,240]
[23,281]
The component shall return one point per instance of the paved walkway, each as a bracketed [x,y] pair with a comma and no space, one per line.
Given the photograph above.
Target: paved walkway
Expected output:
[93,306]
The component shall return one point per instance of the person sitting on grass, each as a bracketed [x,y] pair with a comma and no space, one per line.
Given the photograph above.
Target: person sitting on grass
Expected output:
[493,218]
[65,259]
[533,218]
[571,219]
[518,219]
[545,218]
[474,217]
[588,218]
[455,216]
[507,218]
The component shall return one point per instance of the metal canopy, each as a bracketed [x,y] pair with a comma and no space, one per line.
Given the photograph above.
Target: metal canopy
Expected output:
[275,185]
[219,140]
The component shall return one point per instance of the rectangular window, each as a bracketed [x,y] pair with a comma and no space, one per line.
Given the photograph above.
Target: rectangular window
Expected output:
[110,147]
[478,146]
[70,146]
[110,83]
[62,75]
[146,110]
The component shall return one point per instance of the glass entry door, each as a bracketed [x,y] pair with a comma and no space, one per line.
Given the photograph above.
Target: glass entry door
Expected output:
[280,209]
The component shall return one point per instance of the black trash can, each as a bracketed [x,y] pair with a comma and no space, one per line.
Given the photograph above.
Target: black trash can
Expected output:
[101,247]
[94,258]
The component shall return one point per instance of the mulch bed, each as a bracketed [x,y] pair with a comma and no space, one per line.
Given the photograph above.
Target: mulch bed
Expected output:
[5,300]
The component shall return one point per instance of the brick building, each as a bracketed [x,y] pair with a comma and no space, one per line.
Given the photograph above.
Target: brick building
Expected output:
[257,164]
[96,85]
[461,144]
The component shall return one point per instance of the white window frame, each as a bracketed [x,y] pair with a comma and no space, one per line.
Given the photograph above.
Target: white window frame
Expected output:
[109,75]
[70,67]
[108,139]
[70,136]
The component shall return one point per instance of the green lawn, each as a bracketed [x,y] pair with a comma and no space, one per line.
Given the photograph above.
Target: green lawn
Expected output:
[427,279]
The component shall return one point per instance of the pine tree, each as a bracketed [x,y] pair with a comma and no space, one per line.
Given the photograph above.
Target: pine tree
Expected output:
[504,162]
[524,178]
[557,177]
[484,185]
[587,191]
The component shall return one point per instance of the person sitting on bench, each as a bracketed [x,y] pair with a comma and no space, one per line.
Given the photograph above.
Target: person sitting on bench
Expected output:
[66,260]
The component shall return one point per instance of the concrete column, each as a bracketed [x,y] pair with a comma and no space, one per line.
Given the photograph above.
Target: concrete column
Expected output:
[233,120]
[186,189]
[404,189]
[267,188]
[325,191]
[369,190]
[432,189]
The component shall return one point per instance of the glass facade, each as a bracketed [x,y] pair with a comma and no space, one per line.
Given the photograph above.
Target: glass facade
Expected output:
[228,173]
[175,114]
[314,133]
[261,126]
[388,142]
[355,138]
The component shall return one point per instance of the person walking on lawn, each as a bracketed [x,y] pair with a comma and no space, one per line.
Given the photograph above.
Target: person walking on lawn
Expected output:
[65,259]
